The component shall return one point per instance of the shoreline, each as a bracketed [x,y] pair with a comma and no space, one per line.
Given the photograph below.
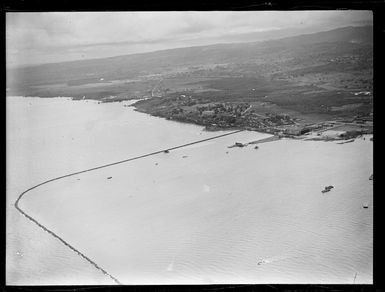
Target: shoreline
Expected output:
[275,137]
[211,128]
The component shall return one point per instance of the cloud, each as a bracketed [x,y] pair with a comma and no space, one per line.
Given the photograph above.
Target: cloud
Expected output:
[40,37]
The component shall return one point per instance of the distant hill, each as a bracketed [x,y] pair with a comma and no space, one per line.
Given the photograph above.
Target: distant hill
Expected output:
[306,47]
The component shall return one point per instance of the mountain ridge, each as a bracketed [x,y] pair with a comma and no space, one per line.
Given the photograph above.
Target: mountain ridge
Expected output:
[315,64]
[228,44]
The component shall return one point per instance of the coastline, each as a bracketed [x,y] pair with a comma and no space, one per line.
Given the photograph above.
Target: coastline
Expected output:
[300,132]
[126,180]
[216,117]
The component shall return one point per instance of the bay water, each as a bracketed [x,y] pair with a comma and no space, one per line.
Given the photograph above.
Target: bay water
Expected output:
[201,214]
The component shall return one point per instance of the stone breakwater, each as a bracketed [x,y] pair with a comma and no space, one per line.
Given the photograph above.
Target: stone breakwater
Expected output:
[88,170]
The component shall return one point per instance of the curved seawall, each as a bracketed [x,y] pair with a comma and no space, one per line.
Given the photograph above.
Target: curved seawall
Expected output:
[92,169]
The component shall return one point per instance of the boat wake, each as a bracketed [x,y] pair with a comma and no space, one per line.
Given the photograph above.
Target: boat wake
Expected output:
[274,259]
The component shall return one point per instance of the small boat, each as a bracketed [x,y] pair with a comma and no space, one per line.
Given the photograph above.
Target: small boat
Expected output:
[371,177]
[261,262]
[109,177]
[327,189]
[365,206]
[256,147]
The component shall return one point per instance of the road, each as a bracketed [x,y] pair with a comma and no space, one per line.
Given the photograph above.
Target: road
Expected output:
[153,89]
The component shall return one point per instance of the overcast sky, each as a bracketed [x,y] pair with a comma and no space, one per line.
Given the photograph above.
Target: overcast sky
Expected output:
[35,38]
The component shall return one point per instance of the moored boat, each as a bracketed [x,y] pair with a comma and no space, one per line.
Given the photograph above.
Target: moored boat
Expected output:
[327,189]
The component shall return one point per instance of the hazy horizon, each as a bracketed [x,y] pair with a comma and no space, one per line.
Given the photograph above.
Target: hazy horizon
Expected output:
[43,38]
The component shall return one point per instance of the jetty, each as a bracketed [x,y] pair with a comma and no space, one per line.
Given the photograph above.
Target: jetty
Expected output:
[264,140]
[348,141]
[237,144]
[67,244]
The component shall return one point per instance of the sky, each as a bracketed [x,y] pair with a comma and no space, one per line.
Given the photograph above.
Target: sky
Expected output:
[51,37]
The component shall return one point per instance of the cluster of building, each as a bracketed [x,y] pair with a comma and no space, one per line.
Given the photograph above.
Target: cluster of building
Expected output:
[230,115]
[244,115]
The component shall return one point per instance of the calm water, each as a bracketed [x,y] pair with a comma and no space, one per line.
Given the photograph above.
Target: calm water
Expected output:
[195,215]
